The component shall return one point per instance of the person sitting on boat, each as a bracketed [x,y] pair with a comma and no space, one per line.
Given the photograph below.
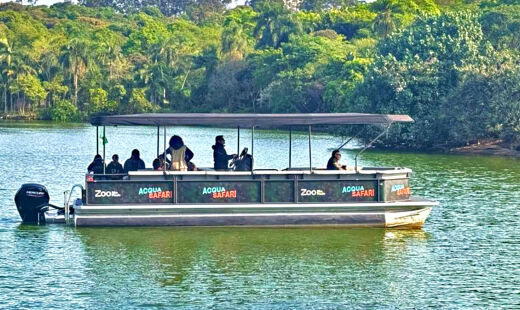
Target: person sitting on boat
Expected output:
[114,167]
[220,156]
[180,155]
[134,162]
[333,163]
[97,165]
[160,163]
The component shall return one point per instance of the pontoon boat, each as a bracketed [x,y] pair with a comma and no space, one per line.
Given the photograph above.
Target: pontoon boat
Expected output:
[360,196]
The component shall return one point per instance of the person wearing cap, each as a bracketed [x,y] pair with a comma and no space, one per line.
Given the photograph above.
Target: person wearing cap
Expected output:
[220,156]
[333,163]
[114,167]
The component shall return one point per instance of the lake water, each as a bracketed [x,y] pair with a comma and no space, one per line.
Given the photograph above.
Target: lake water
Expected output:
[466,256]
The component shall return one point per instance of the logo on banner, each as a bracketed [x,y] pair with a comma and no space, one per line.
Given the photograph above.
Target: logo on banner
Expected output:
[312,192]
[155,193]
[359,191]
[219,192]
[100,194]
[400,189]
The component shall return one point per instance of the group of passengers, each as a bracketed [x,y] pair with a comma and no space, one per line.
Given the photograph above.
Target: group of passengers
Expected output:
[180,159]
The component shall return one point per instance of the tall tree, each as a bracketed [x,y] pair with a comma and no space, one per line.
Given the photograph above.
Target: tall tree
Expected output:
[234,39]
[6,54]
[74,58]
[385,22]
[274,24]
[166,7]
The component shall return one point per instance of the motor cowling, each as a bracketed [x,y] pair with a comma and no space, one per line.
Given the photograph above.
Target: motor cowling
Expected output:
[30,199]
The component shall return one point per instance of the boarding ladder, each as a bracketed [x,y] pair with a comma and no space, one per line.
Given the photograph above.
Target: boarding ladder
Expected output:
[66,198]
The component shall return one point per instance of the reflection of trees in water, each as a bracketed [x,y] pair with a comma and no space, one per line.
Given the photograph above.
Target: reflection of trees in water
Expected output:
[215,259]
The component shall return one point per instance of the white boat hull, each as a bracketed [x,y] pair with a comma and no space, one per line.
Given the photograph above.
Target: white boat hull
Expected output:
[406,214]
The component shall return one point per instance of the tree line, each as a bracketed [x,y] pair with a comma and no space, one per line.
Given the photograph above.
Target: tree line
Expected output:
[452,65]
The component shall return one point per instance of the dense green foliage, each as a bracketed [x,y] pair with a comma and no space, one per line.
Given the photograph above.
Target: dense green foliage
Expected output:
[453,66]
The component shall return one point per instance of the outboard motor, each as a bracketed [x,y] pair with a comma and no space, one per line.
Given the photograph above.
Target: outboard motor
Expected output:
[31,201]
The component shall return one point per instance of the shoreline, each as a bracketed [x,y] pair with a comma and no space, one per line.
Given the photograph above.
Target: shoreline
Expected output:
[18,117]
[486,147]
[489,147]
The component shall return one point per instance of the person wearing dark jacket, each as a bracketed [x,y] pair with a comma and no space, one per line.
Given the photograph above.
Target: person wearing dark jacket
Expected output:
[135,162]
[97,165]
[220,156]
[114,167]
[333,163]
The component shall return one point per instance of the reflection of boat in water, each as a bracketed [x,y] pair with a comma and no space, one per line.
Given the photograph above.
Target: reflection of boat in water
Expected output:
[360,196]
[173,257]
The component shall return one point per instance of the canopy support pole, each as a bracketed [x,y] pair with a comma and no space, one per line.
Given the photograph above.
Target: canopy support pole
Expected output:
[238,140]
[97,140]
[158,134]
[164,146]
[351,138]
[164,142]
[104,142]
[252,147]
[310,149]
[290,146]
[370,144]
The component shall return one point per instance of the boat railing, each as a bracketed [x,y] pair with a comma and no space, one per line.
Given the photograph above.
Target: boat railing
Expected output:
[287,171]
[67,195]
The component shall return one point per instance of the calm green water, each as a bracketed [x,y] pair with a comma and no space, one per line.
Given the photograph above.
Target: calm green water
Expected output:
[466,256]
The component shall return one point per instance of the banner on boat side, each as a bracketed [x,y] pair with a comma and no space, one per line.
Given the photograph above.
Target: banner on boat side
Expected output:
[279,191]
[396,190]
[218,192]
[101,193]
[337,191]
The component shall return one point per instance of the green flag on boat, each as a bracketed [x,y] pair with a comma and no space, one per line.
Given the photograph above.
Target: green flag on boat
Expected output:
[103,138]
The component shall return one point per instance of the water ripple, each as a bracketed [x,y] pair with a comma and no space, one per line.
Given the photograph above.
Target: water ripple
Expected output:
[465,257]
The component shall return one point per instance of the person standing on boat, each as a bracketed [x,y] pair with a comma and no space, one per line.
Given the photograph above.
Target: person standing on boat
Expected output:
[180,155]
[134,162]
[97,165]
[333,163]
[114,167]
[220,156]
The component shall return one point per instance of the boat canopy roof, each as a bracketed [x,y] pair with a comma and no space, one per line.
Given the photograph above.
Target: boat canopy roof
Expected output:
[247,120]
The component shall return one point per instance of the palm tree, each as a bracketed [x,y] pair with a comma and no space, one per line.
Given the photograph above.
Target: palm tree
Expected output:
[154,77]
[107,53]
[274,25]
[48,68]
[14,64]
[6,53]
[20,65]
[3,81]
[74,58]
[384,23]
[234,39]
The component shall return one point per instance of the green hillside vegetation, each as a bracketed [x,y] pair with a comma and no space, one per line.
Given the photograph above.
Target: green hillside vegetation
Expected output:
[451,65]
